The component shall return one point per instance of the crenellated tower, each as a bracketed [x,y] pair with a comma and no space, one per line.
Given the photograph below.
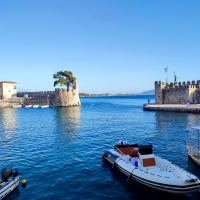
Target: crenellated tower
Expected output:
[177,93]
[159,90]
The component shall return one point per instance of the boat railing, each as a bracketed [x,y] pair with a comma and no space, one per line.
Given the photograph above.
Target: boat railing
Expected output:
[194,151]
[122,155]
[119,151]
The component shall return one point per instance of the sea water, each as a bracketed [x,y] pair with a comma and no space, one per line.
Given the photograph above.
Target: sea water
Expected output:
[58,150]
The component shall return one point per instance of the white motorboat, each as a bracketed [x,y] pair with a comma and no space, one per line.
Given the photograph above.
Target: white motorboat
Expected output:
[28,106]
[44,106]
[9,182]
[35,106]
[139,163]
[16,106]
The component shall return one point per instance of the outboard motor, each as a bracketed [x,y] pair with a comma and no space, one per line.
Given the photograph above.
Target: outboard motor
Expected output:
[6,173]
[15,174]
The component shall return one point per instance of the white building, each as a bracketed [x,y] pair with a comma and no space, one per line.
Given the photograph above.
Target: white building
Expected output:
[8,89]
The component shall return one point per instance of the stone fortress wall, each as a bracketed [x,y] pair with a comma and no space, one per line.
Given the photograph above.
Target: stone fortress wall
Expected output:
[177,93]
[59,97]
[41,97]
[11,101]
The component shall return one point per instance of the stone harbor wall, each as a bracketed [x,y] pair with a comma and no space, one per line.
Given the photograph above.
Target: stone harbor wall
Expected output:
[59,97]
[177,93]
[36,101]
[39,94]
[197,96]
[188,108]
[66,98]
[10,102]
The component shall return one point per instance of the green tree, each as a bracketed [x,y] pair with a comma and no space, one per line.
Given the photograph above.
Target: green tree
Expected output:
[65,78]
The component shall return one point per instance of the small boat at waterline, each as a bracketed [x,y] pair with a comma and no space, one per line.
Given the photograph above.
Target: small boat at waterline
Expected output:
[139,163]
[16,106]
[44,106]
[35,106]
[8,182]
[28,106]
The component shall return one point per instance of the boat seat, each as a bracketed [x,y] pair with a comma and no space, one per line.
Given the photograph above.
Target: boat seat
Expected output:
[133,153]
[147,160]
[129,151]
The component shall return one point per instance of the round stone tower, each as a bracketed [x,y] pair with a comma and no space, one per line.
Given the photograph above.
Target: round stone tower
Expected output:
[66,98]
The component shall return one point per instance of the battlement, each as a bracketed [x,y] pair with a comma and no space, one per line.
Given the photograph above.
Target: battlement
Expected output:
[178,85]
[177,92]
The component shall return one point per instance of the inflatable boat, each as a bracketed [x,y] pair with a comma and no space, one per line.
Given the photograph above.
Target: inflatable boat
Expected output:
[8,182]
[139,163]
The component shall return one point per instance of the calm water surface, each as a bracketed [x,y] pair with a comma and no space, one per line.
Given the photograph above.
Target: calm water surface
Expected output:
[58,150]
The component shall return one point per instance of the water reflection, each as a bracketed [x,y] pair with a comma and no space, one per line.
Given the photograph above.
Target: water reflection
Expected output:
[7,121]
[193,120]
[171,136]
[170,120]
[8,118]
[68,119]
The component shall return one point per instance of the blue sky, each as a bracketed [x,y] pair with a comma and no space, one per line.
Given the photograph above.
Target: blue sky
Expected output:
[110,45]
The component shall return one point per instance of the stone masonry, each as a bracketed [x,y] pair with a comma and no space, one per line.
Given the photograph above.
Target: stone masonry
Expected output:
[177,93]
[66,98]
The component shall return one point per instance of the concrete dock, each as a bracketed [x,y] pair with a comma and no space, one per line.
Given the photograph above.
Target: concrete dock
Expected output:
[186,108]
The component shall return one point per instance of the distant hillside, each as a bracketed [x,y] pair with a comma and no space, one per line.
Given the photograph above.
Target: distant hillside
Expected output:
[149,92]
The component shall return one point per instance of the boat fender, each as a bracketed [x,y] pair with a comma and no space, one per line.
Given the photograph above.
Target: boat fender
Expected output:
[136,164]
[24,183]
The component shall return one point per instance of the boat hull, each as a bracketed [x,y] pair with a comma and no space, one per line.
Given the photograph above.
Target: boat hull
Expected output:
[194,159]
[36,106]
[9,187]
[17,106]
[28,106]
[194,154]
[155,185]
[45,106]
